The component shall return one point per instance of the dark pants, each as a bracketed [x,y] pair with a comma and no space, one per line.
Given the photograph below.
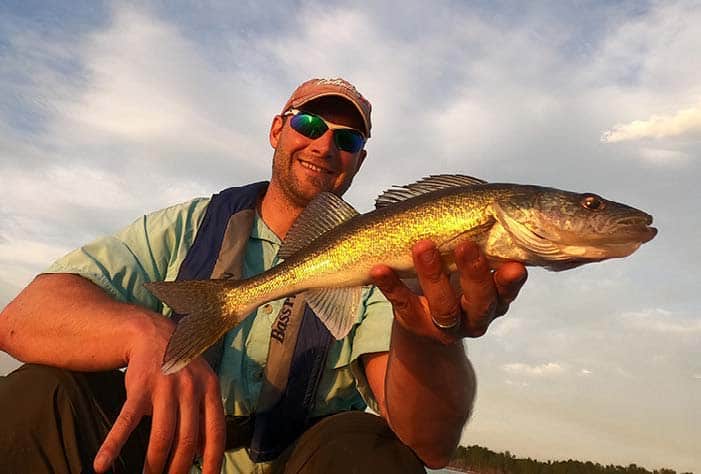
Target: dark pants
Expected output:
[54,421]
[350,442]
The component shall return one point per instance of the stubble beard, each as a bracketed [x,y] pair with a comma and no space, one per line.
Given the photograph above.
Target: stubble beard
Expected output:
[298,192]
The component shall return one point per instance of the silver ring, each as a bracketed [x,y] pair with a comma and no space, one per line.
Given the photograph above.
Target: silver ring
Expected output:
[445,326]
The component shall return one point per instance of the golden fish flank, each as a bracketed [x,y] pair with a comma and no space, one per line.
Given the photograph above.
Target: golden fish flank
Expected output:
[329,251]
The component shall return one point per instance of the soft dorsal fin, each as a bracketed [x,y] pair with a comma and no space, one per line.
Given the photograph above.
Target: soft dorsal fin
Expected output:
[322,214]
[423,186]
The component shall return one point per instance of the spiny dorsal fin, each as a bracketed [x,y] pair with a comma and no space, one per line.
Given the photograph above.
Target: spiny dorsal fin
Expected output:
[423,186]
[322,214]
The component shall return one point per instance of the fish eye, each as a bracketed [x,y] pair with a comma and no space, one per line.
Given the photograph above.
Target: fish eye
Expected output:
[592,202]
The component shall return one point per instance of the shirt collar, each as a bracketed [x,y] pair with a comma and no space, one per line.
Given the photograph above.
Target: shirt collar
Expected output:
[261,231]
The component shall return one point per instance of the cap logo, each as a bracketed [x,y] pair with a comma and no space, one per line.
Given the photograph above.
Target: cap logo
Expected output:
[338,82]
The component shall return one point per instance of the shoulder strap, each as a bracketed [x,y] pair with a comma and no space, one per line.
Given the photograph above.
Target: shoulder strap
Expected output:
[202,256]
[225,220]
[299,344]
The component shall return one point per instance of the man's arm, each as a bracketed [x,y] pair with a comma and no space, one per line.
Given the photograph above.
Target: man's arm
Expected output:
[65,320]
[425,385]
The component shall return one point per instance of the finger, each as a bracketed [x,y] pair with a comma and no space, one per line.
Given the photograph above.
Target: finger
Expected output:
[404,302]
[442,301]
[128,419]
[214,429]
[162,431]
[480,298]
[509,279]
[185,445]
[410,311]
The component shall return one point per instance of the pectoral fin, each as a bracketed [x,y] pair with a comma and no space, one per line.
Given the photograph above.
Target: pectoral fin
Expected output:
[526,238]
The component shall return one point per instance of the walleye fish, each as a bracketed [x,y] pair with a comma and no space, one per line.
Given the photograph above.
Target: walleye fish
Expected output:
[329,251]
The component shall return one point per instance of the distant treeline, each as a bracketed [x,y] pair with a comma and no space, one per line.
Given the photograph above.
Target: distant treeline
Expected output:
[483,461]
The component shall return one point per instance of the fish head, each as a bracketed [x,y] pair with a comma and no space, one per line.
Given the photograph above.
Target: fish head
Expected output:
[563,229]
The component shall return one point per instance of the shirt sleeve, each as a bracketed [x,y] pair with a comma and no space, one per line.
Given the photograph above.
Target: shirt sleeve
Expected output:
[149,249]
[372,335]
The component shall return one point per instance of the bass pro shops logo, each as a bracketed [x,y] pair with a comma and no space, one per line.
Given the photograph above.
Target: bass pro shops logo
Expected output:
[283,319]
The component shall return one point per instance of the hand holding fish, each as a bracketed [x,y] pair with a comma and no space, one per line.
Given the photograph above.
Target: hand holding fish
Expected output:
[485,296]
[426,355]
[186,409]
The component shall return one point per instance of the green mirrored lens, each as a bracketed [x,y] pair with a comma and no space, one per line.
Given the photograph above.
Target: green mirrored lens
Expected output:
[348,140]
[308,125]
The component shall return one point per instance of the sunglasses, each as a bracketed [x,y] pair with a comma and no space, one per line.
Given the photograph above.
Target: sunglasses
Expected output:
[312,126]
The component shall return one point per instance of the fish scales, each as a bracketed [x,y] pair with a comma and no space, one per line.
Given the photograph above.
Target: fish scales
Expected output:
[386,235]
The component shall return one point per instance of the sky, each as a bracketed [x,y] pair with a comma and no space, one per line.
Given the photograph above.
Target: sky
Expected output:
[109,110]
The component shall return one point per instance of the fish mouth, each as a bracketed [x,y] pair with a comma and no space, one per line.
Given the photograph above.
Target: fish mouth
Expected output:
[637,228]
[631,233]
[623,243]
[647,234]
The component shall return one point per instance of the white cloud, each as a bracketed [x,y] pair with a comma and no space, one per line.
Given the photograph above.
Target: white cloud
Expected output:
[167,97]
[662,156]
[585,372]
[30,253]
[7,292]
[123,119]
[520,384]
[685,123]
[623,372]
[54,187]
[507,326]
[21,260]
[662,321]
[547,369]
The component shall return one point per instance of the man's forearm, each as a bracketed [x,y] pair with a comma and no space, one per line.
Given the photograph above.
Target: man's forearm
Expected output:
[67,321]
[429,389]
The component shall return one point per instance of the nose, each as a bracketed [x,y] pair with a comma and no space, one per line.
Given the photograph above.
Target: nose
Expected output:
[324,146]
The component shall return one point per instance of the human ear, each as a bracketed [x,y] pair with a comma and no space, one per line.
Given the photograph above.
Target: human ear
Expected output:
[276,130]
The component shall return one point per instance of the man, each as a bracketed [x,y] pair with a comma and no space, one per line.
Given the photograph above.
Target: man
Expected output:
[89,314]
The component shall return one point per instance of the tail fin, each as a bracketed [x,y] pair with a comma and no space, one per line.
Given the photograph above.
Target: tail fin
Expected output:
[204,319]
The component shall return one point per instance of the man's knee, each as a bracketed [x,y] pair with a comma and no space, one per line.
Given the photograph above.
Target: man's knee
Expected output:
[351,442]
[53,419]
[41,392]
[40,378]
[33,390]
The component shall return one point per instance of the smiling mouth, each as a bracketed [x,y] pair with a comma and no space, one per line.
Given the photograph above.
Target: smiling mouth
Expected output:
[314,167]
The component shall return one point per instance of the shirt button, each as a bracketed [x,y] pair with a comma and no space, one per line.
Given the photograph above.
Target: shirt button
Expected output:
[268,308]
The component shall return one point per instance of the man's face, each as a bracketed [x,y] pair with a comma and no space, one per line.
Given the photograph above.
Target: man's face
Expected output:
[304,167]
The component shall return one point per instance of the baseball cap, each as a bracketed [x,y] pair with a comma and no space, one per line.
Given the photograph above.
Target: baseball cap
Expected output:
[315,88]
